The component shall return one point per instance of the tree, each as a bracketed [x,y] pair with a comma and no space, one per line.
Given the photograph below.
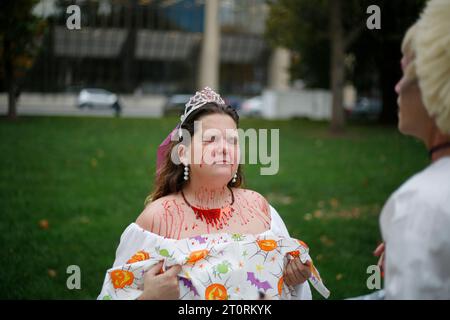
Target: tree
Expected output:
[333,45]
[310,27]
[20,35]
[337,72]
[385,46]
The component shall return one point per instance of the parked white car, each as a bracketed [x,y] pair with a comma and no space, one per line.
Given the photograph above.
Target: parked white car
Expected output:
[252,107]
[98,98]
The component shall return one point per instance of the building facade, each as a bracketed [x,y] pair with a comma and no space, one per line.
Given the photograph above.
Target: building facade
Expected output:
[156,47]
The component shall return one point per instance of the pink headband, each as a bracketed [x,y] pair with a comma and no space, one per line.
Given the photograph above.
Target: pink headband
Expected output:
[163,149]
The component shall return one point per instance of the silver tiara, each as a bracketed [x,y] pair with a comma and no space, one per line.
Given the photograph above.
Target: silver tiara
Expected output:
[207,95]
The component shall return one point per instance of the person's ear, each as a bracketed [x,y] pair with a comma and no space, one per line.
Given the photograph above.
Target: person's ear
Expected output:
[183,154]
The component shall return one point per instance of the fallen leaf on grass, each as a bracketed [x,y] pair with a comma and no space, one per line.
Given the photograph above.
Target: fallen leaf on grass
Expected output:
[334,203]
[318,214]
[51,273]
[43,224]
[326,241]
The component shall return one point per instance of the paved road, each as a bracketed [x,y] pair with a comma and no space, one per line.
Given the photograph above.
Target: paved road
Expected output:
[54,111]
[60,105]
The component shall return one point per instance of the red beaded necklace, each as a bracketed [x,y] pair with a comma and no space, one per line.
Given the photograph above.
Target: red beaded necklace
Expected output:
[216,216]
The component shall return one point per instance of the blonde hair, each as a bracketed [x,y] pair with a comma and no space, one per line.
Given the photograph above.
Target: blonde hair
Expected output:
[408,51]
[431,46]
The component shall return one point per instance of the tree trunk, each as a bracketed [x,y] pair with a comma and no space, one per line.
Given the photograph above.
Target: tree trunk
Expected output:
[337,65]
[10,81]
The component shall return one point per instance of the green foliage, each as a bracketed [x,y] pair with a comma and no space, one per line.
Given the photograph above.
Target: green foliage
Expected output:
[303,26]
[21,34]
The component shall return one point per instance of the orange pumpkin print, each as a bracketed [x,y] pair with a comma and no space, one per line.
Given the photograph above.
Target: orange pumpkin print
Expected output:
[294,254]
[121,278]
[280,286]
[216,291]
[303,244]
[195,256]
[139,256]
[267,245]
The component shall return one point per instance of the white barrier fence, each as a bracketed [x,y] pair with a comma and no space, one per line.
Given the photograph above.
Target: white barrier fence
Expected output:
[311,104]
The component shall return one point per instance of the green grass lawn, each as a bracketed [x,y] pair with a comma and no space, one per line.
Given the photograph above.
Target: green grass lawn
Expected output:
[88,177]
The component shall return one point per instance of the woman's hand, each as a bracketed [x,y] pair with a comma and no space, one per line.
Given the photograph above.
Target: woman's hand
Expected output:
[379,252]
[162,286]
[296,272]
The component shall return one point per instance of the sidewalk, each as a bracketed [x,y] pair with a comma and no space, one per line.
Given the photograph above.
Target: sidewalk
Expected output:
[148,106]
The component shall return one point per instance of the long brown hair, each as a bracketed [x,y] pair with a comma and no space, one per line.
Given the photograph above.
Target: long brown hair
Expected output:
[171,176]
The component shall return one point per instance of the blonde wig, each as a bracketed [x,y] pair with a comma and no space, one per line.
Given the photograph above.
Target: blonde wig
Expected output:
[431,45]
[408,50]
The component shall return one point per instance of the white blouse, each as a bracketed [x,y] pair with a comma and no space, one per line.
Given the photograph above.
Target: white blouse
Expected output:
[415,225]
[132,239]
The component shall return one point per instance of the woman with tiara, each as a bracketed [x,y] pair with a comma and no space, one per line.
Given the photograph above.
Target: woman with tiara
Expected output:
[201,235]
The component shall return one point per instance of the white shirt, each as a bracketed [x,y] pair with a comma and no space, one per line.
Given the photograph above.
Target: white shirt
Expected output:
[133,237]
[415,224]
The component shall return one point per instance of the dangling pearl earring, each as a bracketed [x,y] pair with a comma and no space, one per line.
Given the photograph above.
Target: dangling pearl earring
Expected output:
[186,173]
[234,178]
